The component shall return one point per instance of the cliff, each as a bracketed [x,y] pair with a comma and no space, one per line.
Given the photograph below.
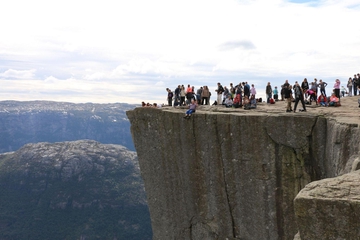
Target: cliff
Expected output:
[72,190]
[233,173]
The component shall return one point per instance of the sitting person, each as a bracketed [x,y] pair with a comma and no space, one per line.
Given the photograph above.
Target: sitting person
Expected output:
[252,101]
[237,101]
[192,108]
[334,101]
[246,102]
[228,101]
[322,100]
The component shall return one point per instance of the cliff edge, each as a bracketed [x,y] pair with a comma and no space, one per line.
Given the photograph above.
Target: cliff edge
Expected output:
[234,173]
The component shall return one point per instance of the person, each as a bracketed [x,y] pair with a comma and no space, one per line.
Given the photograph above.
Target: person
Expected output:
[253,102]
[299,96]
[219,91]
[198,95]
[192,108]
[334,100]
[322,86]
[337,88]
[189,94]
[322,100]
[237,101]
[355,84]
[305,87]
[284,87]
[276,94]
[182,95]
[170,96]
[268,92]
[288,97]
[228,101]
[205,94]
[246,89]
[312,95]
[315,87]
[246,102]
[252,90]
[177,96]
[232,91]
[343,91]
[226,93]
[349,86]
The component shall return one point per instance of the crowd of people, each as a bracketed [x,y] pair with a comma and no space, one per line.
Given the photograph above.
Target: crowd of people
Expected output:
[244,95]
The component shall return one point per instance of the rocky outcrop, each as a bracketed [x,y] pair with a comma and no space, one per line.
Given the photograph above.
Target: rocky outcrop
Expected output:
[72,190]
[330,208]
[46,121]
[230,174]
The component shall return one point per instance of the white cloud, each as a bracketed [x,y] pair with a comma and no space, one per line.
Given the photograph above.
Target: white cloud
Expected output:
[90,46]
[18,74]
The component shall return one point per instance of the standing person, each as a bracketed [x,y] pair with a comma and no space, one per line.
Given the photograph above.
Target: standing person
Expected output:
[253,90]
[316,86]
[343,91]
[205,94]
[177,96]
[192,109]
[232,91]
[322,86]
[182,95]
[299,96]
[198,95]
[305,87]
[337,88]
[226,94]
[219,91]
[355,84]
[276,94]
[288,97]
[189,94]
[246,89]
[268,92]
[349,86]
[170,96]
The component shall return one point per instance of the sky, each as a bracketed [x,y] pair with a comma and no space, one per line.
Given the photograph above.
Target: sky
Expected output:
[131,51]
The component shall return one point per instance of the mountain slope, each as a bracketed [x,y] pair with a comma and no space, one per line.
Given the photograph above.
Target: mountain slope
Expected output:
[72,190]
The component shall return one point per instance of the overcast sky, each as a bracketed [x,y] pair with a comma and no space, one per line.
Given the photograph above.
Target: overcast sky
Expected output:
[130,51]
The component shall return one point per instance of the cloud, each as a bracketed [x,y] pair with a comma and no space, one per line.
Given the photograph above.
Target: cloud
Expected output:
[18,74]
[133,49]
[232,45]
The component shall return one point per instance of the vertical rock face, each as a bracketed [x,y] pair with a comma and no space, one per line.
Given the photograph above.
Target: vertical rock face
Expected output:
[232,175]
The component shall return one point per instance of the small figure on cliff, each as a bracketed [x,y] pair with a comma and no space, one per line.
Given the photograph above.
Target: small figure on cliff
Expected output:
[219,91]
[322,86]
[322,100]
[268,92]
[334,100]
[192,109]
[337,88]
[299,96]
[288,96]
[170,96]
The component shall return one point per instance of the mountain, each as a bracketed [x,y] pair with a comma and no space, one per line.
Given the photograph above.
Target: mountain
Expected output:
[47,121]
[72,190]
